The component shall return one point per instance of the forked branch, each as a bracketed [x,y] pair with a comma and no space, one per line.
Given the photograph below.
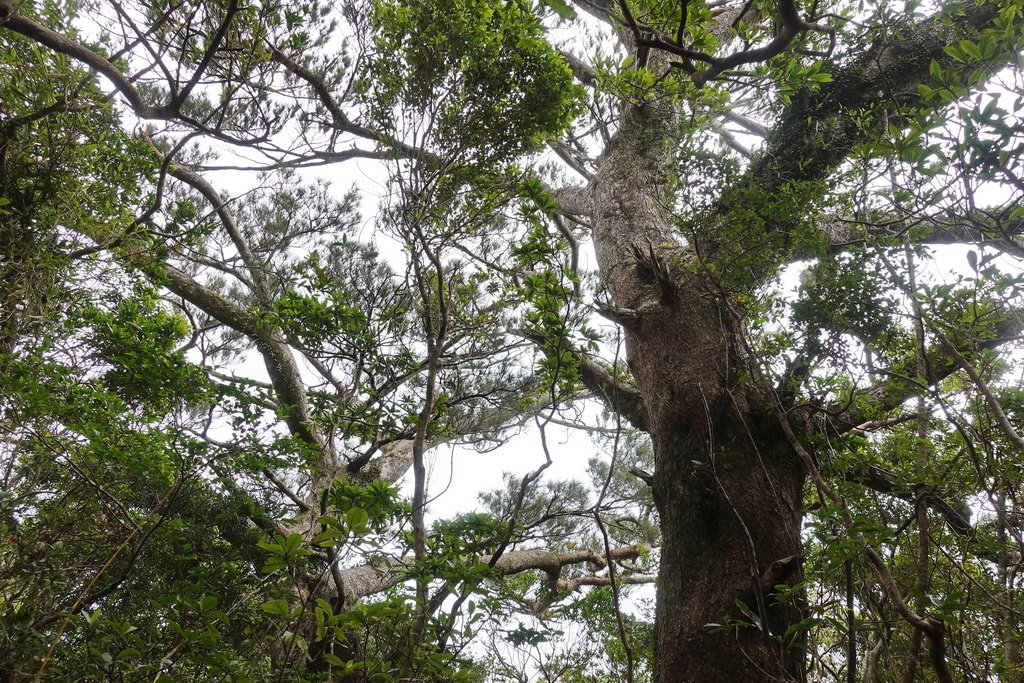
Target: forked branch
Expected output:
[790,26]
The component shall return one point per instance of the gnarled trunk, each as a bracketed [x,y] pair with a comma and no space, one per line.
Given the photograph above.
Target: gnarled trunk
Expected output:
[728,489]
[727,484]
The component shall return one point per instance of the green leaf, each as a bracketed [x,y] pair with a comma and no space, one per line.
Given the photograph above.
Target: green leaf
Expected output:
[278,607]
[357,519]
[561,8]
[333,660]
[971,49]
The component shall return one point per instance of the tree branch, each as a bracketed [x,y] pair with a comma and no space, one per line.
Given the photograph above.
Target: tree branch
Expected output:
[341,121]
[892,392]
[583,72]
[867,94]
[211,50]
[817,132]
[369,579]
[985,228]
[277,355]
[883,481]
[256,267]
[393,459]
[598,378]
[32,30]
[982,386]
[751,126]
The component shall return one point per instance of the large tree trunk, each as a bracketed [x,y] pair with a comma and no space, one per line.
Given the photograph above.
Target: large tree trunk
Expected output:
[727,484]
[729,501]
[728,490]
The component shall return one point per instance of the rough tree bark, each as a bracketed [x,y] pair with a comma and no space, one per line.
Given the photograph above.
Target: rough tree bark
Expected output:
[727,490]
[728,484]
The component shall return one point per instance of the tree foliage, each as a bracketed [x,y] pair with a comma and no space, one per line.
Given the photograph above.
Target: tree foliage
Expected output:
[259,261]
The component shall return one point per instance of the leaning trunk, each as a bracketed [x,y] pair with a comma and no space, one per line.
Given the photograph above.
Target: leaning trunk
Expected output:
[727,485]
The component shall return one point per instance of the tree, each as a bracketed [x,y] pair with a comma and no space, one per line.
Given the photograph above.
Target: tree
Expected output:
[806,445]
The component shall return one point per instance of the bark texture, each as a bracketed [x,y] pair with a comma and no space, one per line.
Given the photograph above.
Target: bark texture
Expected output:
[727,488]
[728,483]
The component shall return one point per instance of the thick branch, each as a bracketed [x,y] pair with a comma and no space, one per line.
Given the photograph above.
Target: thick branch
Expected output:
[277,355]
[253,264]
[340,120]
[989,229]
[323,93]
[583,72]
[598,378]
[729,139]
[58,43]
[868,93]
[882,481]
[818,131]
[573,201]
[618,396]
[790,26]
[366,580]
[753,127]
[599,9]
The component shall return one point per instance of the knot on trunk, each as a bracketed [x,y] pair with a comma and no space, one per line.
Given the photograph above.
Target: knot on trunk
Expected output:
[652,267]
